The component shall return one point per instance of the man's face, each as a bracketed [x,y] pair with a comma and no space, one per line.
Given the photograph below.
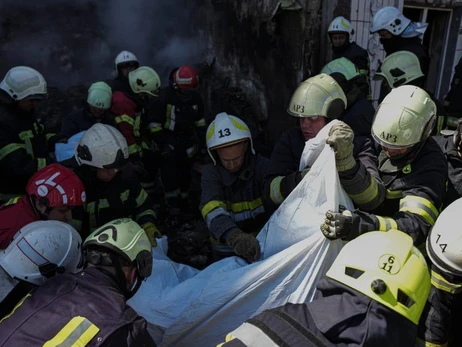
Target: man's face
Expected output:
[106,175]
[126,68]
[311,126]
[385,34]
[394,152]
[339,39]
[28,104]
[233,157]
[96,113]
[61,213]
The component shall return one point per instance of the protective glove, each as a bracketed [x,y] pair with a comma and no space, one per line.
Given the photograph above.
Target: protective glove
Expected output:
[167,150]
[244,245]
[152,232]
[53,140]
[339,225]
[341,140]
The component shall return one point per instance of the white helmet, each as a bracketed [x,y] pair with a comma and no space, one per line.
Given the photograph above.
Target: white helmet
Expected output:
[227,130]
[444,243]
[22,82]
[391,19]
[100,95]
[125,57]
[41,249]
[102,146]
[400,68]
[341,25]
[144,80]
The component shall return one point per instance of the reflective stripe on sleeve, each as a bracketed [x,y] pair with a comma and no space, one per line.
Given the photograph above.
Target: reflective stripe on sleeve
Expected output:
[125,119]
[275,190]
[368,195]
[386,223]
[79,331]
[419,206]
[441,283]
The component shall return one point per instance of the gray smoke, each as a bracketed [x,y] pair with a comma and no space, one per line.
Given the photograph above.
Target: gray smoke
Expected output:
[76,42]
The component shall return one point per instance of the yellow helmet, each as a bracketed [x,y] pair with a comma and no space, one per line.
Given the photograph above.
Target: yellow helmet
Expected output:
[404,118]
[400,68]
[320,95]
[386,267]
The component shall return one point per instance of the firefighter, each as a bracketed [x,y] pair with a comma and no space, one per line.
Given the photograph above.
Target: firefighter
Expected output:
[451,147]
[441,318]
[39,250]
[51,194]
[89,308]
[360,111]
[400,180]
[178,128]
[131,110]
[453,100]
[124,63]
[232,187]
[24,146]
[372,295]
[99,102]
[398,33]
[341,34]
[403,68]
[112,192]
[315,102]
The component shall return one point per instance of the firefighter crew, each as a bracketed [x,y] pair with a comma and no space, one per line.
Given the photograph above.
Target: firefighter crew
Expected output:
[403,68]
[89,308]
[359,113]
[453,100]
[124,63]
[315,102]
[24,146]
[39,251]
[51,194]
[112,192]
[341,34]
[131,111]
[398,33]
[372,295]
[400,180]
[232,187]
[178,128]
[440,321]
[451,147]
[99,102]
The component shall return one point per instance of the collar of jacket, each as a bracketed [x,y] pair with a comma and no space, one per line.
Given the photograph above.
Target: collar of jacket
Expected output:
[450,149]
[103,276]
[244,174]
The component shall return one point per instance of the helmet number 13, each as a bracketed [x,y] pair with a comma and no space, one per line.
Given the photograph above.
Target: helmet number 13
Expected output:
[223,133]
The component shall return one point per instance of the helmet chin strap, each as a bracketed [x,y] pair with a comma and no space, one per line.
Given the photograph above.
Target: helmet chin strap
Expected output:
[43,215]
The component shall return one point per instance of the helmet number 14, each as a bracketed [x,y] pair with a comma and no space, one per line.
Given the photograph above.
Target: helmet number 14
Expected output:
[442,245]
[223,133]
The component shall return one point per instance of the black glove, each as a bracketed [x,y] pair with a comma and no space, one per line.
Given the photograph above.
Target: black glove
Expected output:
[53,140]
[244,245]
[339,225]
[167,150]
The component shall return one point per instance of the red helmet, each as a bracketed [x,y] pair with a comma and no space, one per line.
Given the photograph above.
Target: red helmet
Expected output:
[55,185]
[186,78]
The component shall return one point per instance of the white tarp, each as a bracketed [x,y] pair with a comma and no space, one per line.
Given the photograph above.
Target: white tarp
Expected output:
[193,308]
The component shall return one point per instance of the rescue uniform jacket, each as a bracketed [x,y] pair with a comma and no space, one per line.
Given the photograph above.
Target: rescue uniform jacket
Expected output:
[14,214]
[404,195]
[283,170]
[82,120]
[85,309]
[122,197]
[341,316]
[178,118]
[358,56]
[130,114]
[454,190]
[440,320]
[232,201]
[359,116]
[23,150]
[453,101]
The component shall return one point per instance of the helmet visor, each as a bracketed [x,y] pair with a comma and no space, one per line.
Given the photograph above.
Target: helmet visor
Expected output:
[119,163]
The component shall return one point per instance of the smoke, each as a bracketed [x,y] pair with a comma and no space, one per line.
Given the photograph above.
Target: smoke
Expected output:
[76,42]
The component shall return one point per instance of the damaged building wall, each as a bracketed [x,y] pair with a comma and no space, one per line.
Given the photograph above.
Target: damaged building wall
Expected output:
[262,51]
